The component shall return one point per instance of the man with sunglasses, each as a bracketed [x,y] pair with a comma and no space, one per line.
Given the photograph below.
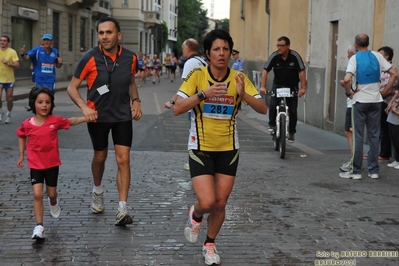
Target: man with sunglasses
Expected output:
[289,70]
[9,62]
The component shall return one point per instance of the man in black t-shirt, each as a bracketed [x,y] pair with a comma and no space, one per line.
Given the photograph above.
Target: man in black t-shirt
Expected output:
[289,70]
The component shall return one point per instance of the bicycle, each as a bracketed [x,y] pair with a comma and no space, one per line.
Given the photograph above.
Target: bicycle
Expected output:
[280,133]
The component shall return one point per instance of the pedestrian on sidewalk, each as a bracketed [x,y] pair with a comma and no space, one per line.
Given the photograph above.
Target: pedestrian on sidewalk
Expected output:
[9,62]
[38,135]
[366,66]
[109,70]
[45,59]
[345,167]
[214,94]
[393,123]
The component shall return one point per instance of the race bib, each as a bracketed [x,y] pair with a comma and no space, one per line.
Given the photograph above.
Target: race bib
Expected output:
[283,92]
[47,68]
[219,107]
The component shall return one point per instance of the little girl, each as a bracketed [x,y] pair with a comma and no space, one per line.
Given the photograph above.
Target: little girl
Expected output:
[42,151]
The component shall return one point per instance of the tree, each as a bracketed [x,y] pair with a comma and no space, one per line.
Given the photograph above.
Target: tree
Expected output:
[190,22]
[224,24]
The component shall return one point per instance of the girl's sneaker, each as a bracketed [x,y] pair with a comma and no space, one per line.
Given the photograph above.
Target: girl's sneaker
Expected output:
[55,210]
[38,232]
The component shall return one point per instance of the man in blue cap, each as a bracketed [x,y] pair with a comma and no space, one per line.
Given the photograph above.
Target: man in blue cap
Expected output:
[44,60]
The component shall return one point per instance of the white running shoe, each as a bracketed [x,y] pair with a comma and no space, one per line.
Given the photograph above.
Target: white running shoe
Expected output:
[1,115]
[8,118]
[186,167]
[210,254]
[349,175]
[122,217]
[38,232]
[393,164]
[97,203]
[54,210]
[193,228]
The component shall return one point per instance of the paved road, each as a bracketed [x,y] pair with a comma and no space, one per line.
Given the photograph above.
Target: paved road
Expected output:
[295,211]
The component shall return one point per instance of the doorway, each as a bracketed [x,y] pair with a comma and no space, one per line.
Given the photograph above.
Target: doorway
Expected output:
[333,70]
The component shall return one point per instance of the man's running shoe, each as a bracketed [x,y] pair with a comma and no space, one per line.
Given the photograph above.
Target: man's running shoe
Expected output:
[8,119]
[38,232]
[122,217]
[97,203]
[54,210]
[193,228]
[271,129]
[210,254]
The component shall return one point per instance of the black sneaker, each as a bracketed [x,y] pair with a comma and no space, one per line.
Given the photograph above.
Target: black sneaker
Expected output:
[291,137]
[271,129]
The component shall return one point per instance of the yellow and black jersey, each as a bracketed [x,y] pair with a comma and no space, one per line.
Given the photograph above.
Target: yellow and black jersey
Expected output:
[213,122]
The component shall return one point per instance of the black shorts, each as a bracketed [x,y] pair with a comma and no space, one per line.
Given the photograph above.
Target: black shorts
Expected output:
[122,134]
[212,162]
[348,119]
[50,176]
[173,69]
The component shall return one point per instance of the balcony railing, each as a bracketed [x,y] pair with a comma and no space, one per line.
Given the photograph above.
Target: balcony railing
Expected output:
[81,3]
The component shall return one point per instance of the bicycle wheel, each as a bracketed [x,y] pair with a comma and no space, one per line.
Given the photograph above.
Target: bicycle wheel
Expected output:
[283,135]
[276,143]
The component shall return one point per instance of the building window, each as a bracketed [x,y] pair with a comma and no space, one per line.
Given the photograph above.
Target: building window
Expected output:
[125,3]
[56,30]
[70,33]
[82,34]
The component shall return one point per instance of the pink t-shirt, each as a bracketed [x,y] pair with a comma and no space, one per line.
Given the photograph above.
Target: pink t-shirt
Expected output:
[42,144]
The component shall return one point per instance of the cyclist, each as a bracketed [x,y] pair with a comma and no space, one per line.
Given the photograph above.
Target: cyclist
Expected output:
[289,70]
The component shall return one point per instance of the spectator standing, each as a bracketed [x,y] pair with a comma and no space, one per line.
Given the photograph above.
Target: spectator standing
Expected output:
[367,66]
[109,70]
[289,70]
[238,62]
[348,116]
[9,62]
[385,140]
[45,59]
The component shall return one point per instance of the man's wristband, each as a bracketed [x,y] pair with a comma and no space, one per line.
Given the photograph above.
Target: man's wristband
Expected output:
[348,94]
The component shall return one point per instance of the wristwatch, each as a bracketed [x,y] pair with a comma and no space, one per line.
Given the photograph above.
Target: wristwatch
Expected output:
[201,95]
[136,99]
[348,94]
[171,101]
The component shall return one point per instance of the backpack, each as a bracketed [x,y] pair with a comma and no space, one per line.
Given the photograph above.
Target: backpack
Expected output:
[367,68]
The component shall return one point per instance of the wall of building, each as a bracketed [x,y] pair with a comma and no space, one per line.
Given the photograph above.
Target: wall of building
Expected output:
[309,24]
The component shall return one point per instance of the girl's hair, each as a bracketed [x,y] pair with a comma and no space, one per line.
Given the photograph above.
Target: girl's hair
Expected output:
[34,92]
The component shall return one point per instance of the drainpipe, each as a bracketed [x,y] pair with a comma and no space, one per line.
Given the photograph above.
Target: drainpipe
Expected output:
[268,26]
[308,55]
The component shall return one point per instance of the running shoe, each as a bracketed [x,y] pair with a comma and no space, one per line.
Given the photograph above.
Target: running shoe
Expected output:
[38,232]
[122,217]
[373,176]
[97,203]
[1,115]
[291,137]
[193,228]
[54,210]
[8,119]
[186,167]
[210,254]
